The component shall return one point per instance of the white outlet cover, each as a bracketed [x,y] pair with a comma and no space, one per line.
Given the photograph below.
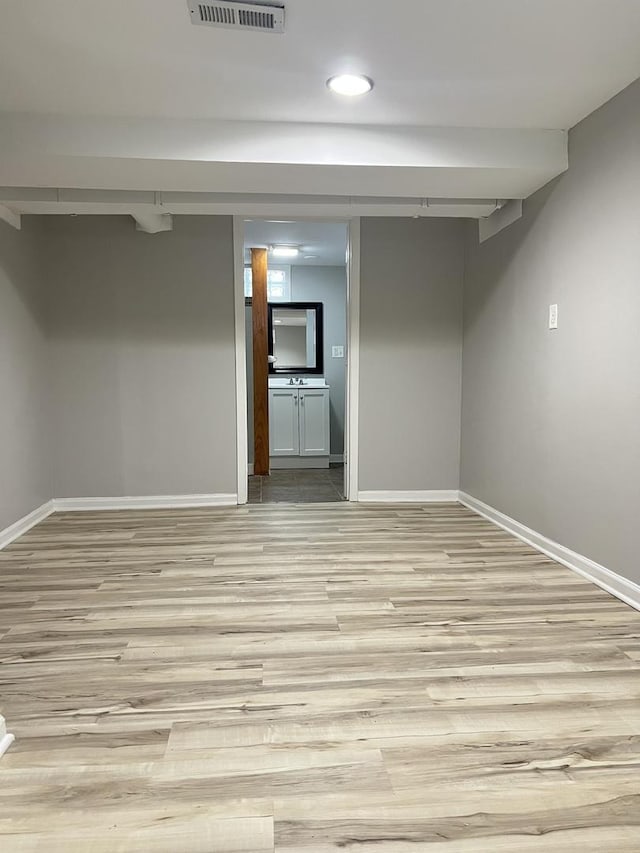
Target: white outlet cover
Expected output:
[337,352]
[553,316]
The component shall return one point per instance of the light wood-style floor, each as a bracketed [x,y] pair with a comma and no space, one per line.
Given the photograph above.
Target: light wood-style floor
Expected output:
[311,678]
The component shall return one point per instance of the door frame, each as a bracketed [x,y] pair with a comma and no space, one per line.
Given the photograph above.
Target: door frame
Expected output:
[352,379]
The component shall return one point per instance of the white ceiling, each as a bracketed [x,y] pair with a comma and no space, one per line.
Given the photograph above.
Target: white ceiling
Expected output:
[472,100]
[326,240]
[482,63]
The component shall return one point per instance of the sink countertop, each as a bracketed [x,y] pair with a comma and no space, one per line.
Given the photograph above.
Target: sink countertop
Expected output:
[281,382]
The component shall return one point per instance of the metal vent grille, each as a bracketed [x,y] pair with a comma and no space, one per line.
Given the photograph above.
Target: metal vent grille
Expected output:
[239,16]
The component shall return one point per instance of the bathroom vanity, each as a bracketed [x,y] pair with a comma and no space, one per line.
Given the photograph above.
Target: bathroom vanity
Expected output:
[299,434]
[298,394]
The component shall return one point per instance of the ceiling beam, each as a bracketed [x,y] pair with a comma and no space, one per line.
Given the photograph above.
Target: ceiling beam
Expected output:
[277,157]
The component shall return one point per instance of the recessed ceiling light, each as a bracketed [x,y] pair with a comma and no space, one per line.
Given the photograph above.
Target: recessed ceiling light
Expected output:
[310,257]
[350,84]
[284,251]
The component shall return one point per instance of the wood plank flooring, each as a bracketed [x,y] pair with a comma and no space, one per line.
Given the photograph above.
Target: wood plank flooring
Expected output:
[311,678]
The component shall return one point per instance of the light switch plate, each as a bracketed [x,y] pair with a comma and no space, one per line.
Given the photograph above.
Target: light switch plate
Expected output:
[553,316]
[337,352]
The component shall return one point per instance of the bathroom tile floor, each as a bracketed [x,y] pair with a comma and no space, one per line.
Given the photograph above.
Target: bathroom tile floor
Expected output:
[298,485]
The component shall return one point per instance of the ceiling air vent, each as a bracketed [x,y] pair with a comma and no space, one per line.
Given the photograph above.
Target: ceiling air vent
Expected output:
[266,17]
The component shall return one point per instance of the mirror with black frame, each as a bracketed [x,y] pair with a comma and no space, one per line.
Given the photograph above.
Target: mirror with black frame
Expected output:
[296,341]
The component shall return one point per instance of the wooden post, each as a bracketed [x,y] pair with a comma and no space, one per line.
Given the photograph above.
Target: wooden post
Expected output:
[260,362]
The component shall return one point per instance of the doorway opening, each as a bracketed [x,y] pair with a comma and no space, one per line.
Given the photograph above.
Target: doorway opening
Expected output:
[306,375]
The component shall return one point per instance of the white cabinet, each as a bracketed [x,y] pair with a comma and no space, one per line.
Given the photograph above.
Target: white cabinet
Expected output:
[314,421]
[299,422]
[284,430]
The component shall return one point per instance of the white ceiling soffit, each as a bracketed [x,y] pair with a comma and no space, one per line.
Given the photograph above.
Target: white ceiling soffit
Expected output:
[33,200]
[152,222]
[11,217]
[291,158]
[465,63]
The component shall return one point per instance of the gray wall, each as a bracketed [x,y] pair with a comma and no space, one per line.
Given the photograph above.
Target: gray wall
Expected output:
[410,353]
[329,286]
[25,483]
[142,357]
[551,419]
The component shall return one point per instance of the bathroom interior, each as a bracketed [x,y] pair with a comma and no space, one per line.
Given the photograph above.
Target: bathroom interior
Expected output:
[307,349]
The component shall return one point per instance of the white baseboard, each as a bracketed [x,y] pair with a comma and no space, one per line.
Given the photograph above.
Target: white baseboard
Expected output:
[5,738]
[430,496]
[620,587]
[25,523]
[5,743]
[9,534]
[144,502]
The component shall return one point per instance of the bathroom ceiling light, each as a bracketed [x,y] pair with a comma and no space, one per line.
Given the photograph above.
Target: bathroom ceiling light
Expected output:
[350,85]
[284,251]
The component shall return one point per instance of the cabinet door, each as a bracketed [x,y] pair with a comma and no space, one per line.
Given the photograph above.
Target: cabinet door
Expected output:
[284,435]
[314,422]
